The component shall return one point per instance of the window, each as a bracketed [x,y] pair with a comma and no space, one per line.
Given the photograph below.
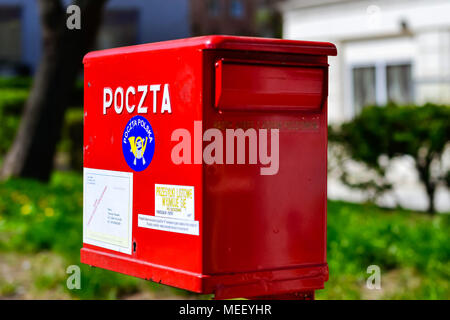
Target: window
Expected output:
[236,8]
[382,83]
[119,28]
[10,34]
[364,92]
[399,83]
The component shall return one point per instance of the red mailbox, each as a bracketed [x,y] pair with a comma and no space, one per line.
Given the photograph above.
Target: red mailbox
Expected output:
[205,164]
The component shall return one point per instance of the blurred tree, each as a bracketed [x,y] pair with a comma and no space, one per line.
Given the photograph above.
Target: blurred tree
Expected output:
[392,131]
[268,22]
[32,152]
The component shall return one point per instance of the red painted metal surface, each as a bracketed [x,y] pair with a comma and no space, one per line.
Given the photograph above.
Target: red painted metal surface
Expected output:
[259,235]
[258,85]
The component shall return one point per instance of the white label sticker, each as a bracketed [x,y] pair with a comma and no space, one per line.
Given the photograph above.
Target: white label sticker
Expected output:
[107,209]
[169,224]
[174,201]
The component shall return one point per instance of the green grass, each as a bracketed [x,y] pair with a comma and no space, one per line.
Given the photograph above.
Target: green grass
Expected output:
[412,249]
[37,217]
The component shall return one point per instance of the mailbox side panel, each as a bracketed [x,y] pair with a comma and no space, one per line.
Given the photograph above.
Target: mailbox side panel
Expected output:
[265,232]
[172,258]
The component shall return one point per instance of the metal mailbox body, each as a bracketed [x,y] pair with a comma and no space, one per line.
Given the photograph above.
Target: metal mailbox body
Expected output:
[258,235]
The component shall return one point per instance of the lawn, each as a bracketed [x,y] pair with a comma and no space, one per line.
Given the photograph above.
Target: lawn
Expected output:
[40,235]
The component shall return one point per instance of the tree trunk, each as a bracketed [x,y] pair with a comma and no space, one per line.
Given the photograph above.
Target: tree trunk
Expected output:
[32,151]
[423,167]
[430,191]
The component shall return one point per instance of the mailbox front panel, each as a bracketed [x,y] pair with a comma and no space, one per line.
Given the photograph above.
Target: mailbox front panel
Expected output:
[148,252]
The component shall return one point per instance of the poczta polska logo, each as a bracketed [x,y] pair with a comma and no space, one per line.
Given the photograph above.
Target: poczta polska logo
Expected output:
[138,143]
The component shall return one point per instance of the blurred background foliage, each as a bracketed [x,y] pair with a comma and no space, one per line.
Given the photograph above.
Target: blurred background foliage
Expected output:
[380,134]
[40,224]
[13,96]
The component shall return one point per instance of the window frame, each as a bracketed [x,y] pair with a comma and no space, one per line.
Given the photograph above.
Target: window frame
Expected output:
[231,9]
[381,91]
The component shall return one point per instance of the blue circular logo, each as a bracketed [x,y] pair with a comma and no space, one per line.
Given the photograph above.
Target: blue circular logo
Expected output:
[138,143]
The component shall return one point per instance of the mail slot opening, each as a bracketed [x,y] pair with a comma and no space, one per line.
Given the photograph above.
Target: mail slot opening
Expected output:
[252,86]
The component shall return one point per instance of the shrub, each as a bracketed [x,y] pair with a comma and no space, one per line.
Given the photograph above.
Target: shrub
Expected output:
[422,132]
[15,82]
[11,106]
[13,95]
[72,137]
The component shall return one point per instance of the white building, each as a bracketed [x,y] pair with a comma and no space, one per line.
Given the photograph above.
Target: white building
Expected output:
[388,50]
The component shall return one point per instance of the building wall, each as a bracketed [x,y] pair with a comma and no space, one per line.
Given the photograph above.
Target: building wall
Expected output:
[377,33]
[235,17]
[29,30]
[158,20]
[218,17]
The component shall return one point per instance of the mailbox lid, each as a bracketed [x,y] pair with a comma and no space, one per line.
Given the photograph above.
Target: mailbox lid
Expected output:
[223,42]
[269,45]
